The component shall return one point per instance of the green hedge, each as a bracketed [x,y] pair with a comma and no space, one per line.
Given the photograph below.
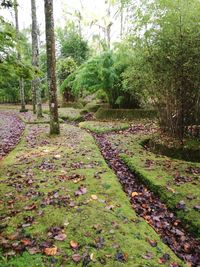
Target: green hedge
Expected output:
[125,114]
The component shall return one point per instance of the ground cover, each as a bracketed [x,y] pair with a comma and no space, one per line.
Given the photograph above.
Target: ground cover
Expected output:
[11,128]
[61,205]
[175,181]
[103,127]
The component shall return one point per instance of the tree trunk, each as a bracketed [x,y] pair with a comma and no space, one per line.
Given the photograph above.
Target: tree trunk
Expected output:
[33,96]
[21,80]
[51,65]
[36,91]
[121,20]
[22,96]
[108,28]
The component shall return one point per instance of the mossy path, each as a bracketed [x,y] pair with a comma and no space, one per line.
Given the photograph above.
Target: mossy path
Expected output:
[61,205]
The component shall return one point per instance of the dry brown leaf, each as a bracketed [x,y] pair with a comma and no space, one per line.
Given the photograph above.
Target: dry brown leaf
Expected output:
[51,251]
[26,242]
[60,237]
[134,194]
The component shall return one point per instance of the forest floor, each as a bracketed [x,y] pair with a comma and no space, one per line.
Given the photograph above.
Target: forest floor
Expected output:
[61,204]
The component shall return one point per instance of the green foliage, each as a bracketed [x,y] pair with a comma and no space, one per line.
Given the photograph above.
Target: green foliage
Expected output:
[65,66]
[101,96]
[72,44]
[170,52]
[103,72]
[10,67]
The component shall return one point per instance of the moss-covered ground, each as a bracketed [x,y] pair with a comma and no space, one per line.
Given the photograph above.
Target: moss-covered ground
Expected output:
[177,182]
[62,206]
[102,127]
[69,114]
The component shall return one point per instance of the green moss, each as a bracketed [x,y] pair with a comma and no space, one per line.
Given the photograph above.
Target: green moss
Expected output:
[159,172]
[109,216]
[21,261]
[103,127]
[124,114]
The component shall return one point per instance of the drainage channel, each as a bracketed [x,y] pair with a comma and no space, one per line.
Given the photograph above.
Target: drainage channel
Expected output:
[149,206]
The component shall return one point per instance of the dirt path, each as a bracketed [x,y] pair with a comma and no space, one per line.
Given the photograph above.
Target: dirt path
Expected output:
[61,205]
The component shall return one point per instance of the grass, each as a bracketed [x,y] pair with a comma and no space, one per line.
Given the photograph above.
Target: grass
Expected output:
[103,127]
[173,180]
[101,221]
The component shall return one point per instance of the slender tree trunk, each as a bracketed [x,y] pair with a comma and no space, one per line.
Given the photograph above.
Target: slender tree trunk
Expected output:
[21,80]
[121,20]
[22,96]
[33,96]
[108,28]
[51,65]
[36,91]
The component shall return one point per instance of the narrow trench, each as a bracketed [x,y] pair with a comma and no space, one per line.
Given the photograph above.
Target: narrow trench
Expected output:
[150,207]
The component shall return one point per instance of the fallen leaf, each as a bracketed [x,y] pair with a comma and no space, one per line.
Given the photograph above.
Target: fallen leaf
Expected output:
[164,258]
[60,237]
[57,157]
[148,256]
[33,250]
[134,194]
[26,242]
[73,244]
[81,191]
[94,197]
[121,257]
[152,243]
[51,251]
[76,258]
[30,207]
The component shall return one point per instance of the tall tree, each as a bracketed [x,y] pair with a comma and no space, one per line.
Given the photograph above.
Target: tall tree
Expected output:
[36,92]
[51,67]
[21,79]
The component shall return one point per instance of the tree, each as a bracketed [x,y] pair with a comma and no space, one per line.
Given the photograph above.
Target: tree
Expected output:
[51,67]
[65,67]
[21,79]
[103,73]
[10,67]
[72,44]
[168,33]
[36,91]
